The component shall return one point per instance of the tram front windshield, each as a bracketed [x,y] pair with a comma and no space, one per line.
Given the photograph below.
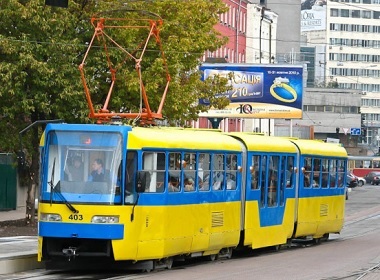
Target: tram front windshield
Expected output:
[82,167]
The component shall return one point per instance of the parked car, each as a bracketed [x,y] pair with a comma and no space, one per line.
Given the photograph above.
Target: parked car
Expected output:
[352,180]
[373,177]
[361,181]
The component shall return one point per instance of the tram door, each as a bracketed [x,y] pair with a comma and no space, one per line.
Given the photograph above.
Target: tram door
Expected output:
[272,186]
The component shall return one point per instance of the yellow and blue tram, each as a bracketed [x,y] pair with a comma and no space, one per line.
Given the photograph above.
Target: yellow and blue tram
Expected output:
[164,194]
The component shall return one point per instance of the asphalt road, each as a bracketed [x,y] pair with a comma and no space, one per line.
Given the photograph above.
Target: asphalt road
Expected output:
[353,254]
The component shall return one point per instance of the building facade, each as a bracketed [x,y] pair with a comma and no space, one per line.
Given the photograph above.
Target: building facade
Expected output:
[342,82]
[349,55]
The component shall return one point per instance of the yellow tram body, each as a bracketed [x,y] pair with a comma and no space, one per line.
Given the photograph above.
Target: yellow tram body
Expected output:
[257,236]
[163,231]
[157,225]
[320,214]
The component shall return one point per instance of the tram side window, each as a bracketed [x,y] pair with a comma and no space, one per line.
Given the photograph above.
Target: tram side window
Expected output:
[283,178]
[218,163]
[174,176]
[341,172]
[307,172]
[316,172]
[263,174]
[333,170]
[189,172]
[231,172]
[273,180]
[255,172]
[154,163]
[130,171]
[290,172]
[325,173]
[204,166]
[130,175]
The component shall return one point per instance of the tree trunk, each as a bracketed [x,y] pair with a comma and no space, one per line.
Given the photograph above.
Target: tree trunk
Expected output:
[30,209]
[33,178]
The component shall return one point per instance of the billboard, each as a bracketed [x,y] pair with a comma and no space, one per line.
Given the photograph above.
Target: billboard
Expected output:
[259,91]
[313,15]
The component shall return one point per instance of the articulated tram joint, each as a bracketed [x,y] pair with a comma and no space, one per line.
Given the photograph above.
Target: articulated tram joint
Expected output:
[70,252]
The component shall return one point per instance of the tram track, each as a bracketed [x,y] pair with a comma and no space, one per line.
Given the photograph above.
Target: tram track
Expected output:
[359,223]
[361,275]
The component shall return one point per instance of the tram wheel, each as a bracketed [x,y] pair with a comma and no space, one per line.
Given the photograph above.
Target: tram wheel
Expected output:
[325,237]
[229,253]
[212,257]
[317,240]
[169,263]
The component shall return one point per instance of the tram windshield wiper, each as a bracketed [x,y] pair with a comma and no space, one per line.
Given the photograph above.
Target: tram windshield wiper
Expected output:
[57,189]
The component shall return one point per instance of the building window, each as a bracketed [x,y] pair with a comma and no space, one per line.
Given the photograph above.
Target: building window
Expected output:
[366,28]
[334,12]
[366,14]
[320,108]
[355,27]
[345,13]
[355,13]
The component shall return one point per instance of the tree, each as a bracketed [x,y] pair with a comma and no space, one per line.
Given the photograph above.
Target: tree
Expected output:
[42,46]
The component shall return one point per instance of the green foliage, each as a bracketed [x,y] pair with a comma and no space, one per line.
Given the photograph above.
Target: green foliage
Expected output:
[41,48]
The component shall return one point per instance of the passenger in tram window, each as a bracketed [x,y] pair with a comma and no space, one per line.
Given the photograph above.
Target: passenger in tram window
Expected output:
[205,184]
[173,185]
[272,189]
[289,177]
[231,184]
[307,177]
[217,185]
[255,177]
[217,181]
[324,180]
[189,184]
[317,170]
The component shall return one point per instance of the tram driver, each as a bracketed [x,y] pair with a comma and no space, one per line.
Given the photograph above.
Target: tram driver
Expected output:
[98,173]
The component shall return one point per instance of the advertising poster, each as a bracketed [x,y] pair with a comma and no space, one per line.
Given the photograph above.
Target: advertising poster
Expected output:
[259,91]
[313,15]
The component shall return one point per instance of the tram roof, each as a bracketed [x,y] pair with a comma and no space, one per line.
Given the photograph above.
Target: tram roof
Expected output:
[255,142]
[157,137]
[316,147]
[366,158]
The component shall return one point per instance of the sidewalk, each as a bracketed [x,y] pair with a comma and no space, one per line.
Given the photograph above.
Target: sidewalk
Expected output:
[17,214]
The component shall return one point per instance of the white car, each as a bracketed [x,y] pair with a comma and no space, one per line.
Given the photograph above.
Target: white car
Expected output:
[361,181]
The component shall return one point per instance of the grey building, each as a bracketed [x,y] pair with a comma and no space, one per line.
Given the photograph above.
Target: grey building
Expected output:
[328,113]
[288,28]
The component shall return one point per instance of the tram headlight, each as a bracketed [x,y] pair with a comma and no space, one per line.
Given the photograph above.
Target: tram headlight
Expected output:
[50,217]
[105,219]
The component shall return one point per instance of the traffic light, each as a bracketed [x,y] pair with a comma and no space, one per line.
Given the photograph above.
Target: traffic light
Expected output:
[57,3]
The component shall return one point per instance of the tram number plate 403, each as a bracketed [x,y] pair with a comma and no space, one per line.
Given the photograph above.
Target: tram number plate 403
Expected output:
[76,217]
